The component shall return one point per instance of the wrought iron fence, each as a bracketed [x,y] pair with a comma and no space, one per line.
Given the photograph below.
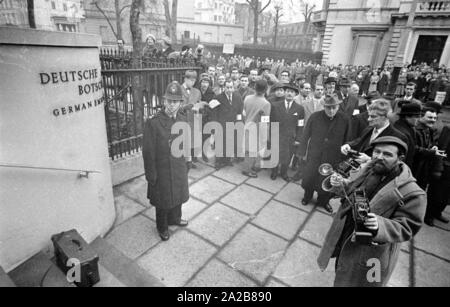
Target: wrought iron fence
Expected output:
[153,75]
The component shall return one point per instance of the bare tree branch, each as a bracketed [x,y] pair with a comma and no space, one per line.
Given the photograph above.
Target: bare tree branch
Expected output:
[254,5]
[123,8]
[171,19]
[106,17]
[264,8]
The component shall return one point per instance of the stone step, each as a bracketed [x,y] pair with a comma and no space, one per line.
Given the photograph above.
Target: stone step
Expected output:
[39,271]
[5,281]
[122,268]
[115,269]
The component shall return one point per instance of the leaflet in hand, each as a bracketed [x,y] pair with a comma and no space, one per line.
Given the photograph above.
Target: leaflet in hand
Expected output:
[214,103]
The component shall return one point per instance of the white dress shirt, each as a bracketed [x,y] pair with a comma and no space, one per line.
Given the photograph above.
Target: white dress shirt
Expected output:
[377,132]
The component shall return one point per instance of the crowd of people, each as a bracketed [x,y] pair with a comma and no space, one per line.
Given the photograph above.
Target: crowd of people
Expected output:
[324,114]
[430,79]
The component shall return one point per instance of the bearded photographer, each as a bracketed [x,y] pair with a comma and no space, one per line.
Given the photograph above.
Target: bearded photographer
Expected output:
[395,213]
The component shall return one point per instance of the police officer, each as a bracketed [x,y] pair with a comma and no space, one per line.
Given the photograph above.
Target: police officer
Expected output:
[166,174]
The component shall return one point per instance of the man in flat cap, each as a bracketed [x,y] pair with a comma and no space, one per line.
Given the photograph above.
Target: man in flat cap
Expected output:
[366,242]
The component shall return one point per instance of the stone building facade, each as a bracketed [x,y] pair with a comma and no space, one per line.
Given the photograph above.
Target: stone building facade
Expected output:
[52,15]
[363,32]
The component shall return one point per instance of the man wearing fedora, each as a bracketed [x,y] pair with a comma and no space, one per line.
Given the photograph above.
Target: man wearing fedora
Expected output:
[330,86]
[410,90]
[277,93]
[409,118]
[291,119]
[350,102]
[320,143]
[167,176]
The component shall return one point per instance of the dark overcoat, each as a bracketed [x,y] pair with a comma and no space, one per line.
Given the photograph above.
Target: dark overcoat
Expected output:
[321,141]
[362,144]
[167,176]
[400,206]
[424,157]
[360,123]
[291,124]
[349,104]
[228,112]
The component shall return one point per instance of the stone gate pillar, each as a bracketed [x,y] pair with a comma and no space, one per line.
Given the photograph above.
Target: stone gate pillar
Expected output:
[54,164]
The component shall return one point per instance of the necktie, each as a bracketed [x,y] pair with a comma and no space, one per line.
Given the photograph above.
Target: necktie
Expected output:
[374,135]
[288,107]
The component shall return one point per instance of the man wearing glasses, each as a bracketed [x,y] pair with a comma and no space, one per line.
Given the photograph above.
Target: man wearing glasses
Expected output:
[379,126]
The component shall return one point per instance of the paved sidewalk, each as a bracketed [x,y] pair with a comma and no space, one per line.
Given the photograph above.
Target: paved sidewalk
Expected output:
[252,232]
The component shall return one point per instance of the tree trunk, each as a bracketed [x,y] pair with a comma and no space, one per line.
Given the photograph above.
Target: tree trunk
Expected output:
[31,19]
[173,29]
[171,19]
[276,32]
[118,19]
[136,82]
[168,17]
[256,24]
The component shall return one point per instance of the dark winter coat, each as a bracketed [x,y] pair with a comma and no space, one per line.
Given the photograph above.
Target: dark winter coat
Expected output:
[167,175]
[401,206]
[360,123]
[321,142]
[226,111]
[208,95]
[425,157]
[291,127]
[349,104]
[362,144]
[410,133]
[383,84]
[396,108]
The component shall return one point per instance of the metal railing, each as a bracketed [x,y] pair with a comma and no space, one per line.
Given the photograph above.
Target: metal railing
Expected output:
[122,117]
[433,6]
[111,59]
[81,173]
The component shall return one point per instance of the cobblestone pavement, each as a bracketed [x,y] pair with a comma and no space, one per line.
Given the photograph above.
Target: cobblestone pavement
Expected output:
[252,232]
